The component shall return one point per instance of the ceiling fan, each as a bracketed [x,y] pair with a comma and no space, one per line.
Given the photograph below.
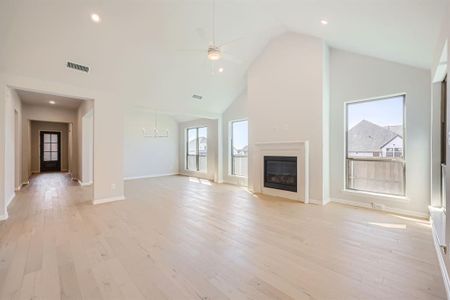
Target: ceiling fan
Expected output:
[215,52]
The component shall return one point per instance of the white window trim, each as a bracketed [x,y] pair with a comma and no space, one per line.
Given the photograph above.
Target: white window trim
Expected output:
[186,149]
[230,148]
[404,197]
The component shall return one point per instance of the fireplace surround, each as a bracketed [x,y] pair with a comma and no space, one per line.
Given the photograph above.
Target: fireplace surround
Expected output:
[297,149]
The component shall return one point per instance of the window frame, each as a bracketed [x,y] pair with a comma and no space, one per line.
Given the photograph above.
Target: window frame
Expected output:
[231,156]
[345,155]
[197,149]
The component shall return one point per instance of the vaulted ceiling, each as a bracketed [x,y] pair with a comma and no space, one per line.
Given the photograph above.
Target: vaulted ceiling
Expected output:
[143,50]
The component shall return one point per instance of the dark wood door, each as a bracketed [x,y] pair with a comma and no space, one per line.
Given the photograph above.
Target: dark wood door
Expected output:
[50,151]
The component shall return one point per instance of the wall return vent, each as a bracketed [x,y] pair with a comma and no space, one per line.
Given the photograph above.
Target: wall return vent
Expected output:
[77,67]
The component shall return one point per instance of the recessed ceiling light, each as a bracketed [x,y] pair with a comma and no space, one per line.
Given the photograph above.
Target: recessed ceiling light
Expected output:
[324,22]
[95,18]
[52,102]
[220,70]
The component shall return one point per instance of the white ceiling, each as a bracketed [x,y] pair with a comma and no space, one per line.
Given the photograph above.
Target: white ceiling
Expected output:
[33,98]
[138,50]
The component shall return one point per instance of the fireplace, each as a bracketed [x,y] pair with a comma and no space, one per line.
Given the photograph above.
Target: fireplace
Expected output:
[280,172]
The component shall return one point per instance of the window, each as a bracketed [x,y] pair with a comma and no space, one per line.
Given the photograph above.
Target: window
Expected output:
[50,150]
[375,160]
[196,149]
[239,148]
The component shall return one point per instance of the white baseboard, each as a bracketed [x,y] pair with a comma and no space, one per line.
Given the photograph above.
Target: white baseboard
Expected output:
[107,200]
[442,266]
[10,199]
[315,202]
[394,210]
[149,176]
[84,183]
[4,216]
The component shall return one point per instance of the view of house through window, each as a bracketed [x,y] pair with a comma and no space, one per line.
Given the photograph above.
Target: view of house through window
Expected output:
[239,148]
[196,143]
[375,159]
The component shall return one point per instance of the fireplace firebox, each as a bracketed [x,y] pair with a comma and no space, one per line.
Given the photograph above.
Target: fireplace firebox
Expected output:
[280,172]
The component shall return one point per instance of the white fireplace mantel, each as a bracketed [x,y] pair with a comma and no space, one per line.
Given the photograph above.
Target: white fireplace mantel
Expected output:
[300,149]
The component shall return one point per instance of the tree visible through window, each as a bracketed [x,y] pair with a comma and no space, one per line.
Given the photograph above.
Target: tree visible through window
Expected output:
[196,152]
[239,148]
[375,146]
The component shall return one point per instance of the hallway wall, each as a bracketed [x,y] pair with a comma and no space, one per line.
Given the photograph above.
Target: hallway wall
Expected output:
[83,175]
[12,104]
[36,128]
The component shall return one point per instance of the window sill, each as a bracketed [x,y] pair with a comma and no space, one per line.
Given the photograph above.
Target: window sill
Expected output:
[377,195]
[192,171]
[238,176]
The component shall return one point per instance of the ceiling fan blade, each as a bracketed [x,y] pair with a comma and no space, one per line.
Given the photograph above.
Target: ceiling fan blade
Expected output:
[191,50]
[232,58]
[251,35]
[203,34]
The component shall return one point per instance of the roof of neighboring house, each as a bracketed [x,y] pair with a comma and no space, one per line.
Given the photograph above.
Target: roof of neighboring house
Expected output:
[201,140]
[367,136]
[243,150]
[397,129]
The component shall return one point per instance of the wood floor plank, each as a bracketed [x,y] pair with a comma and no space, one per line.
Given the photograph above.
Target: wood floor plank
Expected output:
[183,238]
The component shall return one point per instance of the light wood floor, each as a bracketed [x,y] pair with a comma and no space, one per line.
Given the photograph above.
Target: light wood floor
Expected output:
[181,238]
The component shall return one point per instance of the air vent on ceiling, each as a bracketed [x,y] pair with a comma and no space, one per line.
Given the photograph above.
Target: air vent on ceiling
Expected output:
[77,67]
[197,97]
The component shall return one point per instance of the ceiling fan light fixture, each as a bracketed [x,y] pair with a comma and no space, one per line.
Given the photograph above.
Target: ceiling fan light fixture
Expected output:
[214,53]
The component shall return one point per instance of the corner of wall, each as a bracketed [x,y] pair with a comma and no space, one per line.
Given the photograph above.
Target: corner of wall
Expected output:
[326,125]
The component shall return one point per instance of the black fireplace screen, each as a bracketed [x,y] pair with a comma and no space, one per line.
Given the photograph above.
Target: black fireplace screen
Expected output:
[280,172]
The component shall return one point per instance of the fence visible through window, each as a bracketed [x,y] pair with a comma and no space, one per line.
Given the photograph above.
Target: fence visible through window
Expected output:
[375,147]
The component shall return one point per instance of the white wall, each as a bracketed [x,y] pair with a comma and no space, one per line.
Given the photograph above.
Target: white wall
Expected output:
[355,77]
[12,103]
[3,157]
[238,110]
[213,146]
[84,141]
[145,156]
[286,95]
[87,144]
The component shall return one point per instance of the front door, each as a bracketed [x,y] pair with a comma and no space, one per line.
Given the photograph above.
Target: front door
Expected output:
[50,151]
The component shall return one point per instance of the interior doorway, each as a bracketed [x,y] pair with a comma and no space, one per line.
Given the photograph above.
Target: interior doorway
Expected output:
[50,154]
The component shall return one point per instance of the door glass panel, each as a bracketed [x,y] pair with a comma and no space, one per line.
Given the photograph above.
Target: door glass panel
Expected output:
[46,147]
[46,156]
[54,147]
[46,138]
[54,138]
[202,148]
[54,156]
[192,141]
